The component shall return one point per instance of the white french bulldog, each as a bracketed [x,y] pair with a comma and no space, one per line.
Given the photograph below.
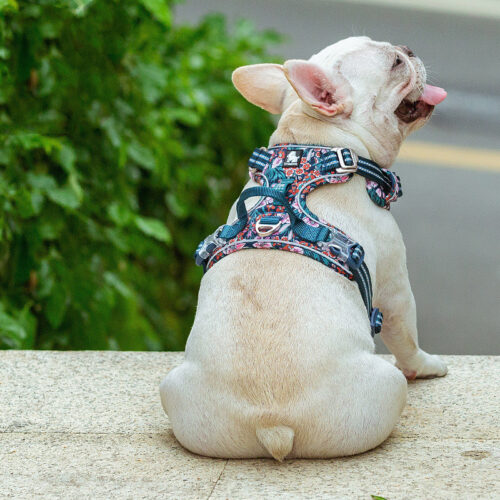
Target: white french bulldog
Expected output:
[280,361]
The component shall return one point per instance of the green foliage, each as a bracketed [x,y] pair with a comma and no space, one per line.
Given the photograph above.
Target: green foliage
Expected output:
[122,144]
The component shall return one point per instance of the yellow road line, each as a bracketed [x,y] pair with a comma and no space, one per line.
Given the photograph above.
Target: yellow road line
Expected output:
[486,160]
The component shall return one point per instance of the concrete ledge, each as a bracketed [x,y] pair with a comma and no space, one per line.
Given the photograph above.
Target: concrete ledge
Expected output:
[90,425]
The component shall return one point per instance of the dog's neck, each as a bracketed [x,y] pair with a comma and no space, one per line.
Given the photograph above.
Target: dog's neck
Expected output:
[298,127]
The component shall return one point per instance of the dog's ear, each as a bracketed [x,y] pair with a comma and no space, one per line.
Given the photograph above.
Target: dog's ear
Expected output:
[328,94]
[264,85]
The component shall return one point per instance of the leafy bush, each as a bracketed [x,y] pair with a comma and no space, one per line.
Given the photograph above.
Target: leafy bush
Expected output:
[122,144]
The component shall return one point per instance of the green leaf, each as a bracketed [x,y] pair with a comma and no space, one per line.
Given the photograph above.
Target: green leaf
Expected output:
[42,181]
[178,208]
[153,79]
[31,140]
[56,305]
[375,497]
[113,280]
[186,116]
[12,331]
[66,156]
[51,227]
[142,155]
[67,197]
[29,203]
[120,214]
[75,186]
[117,238]
[29,323]
[153,227]
[112,131]
[46,280]
[6,5]
[79,7]
[159,9]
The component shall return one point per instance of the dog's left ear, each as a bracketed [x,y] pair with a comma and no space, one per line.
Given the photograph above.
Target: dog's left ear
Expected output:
[328,94]
[264,85]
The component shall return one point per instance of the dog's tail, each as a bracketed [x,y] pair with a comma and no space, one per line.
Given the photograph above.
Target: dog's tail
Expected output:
[278,440]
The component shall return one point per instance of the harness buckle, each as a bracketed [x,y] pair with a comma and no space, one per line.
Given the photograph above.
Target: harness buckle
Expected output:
[207,247]
[376,320]
[344,167]
[346,250]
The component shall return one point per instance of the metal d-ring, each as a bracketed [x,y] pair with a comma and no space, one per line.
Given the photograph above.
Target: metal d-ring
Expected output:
[267,225]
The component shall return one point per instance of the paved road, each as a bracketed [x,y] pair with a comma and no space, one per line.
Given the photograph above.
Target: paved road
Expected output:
[449,216]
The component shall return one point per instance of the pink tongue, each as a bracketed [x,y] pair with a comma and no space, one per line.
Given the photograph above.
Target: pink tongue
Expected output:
[433,95]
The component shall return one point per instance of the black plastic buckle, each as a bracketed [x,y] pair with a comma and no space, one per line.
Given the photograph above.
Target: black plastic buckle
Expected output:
[356,256]
[376,320]
[201,256]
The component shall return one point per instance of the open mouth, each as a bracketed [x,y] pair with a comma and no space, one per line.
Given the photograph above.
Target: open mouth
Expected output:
[409,111]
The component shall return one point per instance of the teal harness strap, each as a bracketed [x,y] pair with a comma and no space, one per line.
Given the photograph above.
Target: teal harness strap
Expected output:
[302,230]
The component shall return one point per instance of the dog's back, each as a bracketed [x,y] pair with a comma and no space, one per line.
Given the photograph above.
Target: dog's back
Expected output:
[280,354]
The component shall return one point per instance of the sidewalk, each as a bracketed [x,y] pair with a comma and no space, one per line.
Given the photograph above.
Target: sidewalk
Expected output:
[90,425]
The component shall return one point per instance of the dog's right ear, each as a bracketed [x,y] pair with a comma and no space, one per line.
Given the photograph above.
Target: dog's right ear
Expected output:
[264,85]
[328,94]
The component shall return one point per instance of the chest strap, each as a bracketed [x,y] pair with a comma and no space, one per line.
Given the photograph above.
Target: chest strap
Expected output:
[281,220]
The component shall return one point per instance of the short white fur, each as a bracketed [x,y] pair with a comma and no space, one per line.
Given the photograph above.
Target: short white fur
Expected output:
[280,361]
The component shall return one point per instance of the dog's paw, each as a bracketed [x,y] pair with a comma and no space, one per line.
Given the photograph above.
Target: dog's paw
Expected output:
[423,365]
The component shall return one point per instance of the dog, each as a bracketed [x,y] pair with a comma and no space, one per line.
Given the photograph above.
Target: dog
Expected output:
[280,361]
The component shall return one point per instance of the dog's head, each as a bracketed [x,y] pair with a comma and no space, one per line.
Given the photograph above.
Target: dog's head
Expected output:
[356,81]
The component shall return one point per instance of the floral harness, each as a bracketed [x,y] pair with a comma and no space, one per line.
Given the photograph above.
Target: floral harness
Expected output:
[281,220]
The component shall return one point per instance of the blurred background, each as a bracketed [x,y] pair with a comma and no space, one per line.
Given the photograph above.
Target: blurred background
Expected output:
[123,143]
